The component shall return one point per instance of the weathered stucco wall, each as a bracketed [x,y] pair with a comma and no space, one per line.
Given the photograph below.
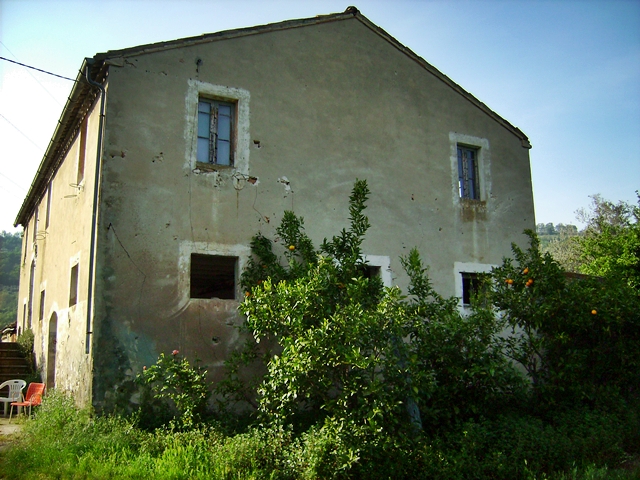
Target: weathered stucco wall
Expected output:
[56,242]
[319,106]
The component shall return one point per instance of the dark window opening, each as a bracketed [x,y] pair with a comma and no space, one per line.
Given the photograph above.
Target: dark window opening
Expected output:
[41,313]
[468,184]
[48,216]
[82,150]
[371,271]
[73,286]
[25,237]
[213,276]
[35,224]
[32,276]
[470,287]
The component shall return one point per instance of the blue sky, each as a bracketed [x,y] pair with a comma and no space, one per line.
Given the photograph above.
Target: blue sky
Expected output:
[565,72]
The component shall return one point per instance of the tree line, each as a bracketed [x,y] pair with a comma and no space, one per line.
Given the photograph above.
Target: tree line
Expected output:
[10,248]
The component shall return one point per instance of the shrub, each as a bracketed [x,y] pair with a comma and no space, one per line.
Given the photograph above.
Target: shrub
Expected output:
[182,386]
[352,351]
[25,344]
[577,338]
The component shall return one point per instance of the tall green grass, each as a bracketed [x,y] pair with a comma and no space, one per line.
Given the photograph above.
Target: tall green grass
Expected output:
[64,442]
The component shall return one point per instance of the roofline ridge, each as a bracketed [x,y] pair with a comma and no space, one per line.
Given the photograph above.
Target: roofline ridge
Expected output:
[226,34]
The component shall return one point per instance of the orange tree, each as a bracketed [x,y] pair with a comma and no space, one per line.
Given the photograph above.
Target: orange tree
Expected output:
[578,337]
[356,365]
[349,351]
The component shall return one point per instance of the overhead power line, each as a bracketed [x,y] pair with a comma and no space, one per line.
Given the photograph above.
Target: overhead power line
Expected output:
[38,69]
[22,133]
[32,75]
[19,186]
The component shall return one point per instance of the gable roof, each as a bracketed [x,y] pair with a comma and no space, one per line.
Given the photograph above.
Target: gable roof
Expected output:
[83,94]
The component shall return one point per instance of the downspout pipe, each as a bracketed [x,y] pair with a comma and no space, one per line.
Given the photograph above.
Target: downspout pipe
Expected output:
[94,216]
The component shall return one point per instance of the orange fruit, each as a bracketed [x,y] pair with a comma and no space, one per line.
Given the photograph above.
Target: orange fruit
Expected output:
[525,271]
[594,312]
[292,247]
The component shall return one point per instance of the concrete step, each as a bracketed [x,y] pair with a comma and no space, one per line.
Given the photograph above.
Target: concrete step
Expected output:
[18,368]
[13,365]
[9,352]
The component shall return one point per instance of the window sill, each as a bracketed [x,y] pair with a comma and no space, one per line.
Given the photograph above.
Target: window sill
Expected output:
[473,209]
[472,201]
[211,167]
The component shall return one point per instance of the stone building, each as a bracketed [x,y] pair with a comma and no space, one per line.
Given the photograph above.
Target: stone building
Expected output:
[169,157]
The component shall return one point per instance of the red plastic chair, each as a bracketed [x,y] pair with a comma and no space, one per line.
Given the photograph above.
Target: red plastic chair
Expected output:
[31,399]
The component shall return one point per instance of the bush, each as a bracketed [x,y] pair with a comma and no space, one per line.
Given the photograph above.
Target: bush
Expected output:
[177,386]
[353,352]
[25,344]
[577,338]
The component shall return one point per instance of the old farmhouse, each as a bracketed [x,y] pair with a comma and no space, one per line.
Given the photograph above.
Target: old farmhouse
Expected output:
[169,157]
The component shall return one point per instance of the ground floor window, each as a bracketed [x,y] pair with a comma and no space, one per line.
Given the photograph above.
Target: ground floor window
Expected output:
[213,276]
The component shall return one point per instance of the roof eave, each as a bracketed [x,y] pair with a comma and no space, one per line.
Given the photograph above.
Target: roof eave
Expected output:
[64,129]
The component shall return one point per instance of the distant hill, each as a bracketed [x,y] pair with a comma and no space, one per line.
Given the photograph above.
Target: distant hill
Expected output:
[10,248]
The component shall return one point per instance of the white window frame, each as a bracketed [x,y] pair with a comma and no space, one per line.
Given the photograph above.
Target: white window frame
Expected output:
[384,263]
[467,267]
[242,252]
[240,97]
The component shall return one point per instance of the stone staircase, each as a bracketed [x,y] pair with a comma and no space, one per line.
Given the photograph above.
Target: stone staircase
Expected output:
[13,365]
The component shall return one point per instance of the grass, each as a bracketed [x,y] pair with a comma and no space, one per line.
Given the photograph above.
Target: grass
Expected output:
[63,442]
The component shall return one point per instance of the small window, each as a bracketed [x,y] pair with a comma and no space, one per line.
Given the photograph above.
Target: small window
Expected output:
[215,132]
[73,286]
[213,276]
[470,287]
[32,277]
[82,151]
[25,242]
[41,314]
[35,224]
[48,214]
[371,271]
[468,173]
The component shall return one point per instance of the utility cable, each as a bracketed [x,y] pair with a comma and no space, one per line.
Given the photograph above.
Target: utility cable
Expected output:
[38,69]
[21,132]
[32,75]
[19,186]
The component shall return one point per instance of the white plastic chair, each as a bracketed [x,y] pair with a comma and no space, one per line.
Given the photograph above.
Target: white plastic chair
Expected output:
[15,392]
